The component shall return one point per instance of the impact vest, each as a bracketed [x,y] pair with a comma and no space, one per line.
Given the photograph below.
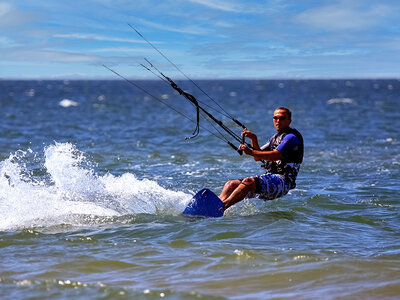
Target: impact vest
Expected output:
[289,165]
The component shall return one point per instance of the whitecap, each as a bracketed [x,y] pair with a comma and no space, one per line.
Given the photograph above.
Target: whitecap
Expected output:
[68,103]
[341,101]
[31,93]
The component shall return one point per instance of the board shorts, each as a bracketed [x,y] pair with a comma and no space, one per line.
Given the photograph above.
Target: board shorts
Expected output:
[270,186]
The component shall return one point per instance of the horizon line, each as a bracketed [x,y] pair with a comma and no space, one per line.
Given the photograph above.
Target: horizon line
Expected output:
[101,78]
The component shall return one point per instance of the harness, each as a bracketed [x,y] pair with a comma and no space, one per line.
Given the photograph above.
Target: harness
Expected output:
[289,164]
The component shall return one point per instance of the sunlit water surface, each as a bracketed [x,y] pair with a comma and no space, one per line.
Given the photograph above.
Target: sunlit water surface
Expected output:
[95,175]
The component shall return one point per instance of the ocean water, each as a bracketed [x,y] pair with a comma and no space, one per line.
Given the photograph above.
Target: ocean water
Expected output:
[95,174]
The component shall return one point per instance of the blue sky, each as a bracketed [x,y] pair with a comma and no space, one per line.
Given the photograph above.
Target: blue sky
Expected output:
[206,38]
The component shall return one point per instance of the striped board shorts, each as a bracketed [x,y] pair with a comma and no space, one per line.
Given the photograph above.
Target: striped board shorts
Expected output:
[270,186]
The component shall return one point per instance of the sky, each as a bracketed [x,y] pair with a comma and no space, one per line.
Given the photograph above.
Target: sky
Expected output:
[213,39]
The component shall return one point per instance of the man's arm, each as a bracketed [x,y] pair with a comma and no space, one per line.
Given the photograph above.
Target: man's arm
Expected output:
[288,143]
[259,154]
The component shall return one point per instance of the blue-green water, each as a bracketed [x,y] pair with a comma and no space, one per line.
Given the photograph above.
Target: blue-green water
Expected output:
[95,174]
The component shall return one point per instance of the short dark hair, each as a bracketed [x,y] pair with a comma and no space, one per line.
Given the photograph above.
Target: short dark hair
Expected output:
[287,110]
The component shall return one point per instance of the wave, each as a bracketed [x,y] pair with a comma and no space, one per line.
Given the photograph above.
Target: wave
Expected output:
[341,101]
[67,186]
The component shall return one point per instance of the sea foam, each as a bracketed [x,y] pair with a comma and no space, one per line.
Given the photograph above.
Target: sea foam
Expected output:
[68,186]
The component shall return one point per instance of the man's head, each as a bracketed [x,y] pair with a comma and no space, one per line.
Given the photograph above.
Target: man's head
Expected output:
[282,118]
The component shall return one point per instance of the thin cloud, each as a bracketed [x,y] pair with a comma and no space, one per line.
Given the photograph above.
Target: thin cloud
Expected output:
[195,30]
[342,16]
[46,56]
[8,43]
[81,36]
[392,44]
[247,7]
[12,18]
[121,50]
[219,5]
[5,8]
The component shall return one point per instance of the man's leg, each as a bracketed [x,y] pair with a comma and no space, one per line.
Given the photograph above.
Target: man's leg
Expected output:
[237,190]
[229,187]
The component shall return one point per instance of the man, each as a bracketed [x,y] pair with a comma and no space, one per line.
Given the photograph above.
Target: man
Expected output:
[283,155]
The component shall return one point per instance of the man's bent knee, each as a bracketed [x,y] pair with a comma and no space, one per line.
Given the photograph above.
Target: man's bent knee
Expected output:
[229,187]
[250,183]
[232,184]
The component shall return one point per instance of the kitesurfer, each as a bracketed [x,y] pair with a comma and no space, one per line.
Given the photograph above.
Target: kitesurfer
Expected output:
[283,154]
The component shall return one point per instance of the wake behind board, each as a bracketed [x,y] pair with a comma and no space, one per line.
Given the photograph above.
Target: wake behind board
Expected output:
[205,204]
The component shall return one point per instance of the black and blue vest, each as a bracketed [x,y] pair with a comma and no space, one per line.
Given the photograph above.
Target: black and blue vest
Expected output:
[289,165]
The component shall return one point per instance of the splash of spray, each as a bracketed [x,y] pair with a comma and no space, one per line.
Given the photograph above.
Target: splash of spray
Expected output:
[68,187]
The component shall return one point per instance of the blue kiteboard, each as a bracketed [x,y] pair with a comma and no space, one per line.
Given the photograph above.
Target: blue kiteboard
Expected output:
[205,204]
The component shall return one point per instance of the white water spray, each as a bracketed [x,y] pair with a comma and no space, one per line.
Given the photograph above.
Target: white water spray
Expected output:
[71,188]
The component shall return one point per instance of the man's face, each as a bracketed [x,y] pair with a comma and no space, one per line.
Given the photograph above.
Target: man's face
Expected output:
[281,120]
